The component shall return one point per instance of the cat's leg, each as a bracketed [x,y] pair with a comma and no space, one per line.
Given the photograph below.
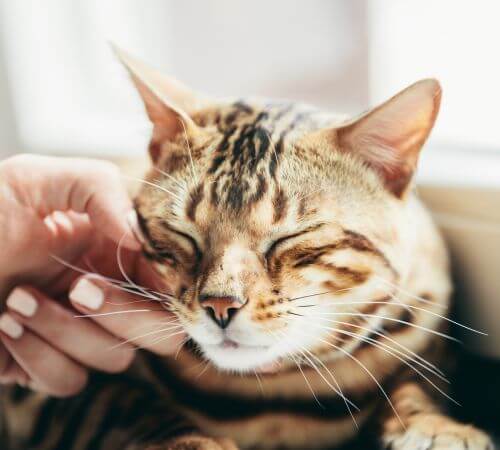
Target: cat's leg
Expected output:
[420,425]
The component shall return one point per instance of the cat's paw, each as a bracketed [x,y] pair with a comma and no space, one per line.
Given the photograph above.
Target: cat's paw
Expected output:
[197,442]
[436,432]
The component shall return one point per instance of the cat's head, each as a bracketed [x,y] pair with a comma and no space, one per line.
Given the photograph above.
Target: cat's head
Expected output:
[275,225]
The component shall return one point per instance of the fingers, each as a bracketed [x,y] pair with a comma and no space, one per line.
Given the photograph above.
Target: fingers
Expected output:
[50,370]
[4,359]
[86,186]
[16,375]
[10,371]
[132,317]
[83,341]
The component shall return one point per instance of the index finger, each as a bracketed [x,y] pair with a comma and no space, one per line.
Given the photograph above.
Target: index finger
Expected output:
[4,359]
[137,318]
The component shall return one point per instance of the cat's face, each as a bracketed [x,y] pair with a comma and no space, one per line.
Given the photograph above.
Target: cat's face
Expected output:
[275,226]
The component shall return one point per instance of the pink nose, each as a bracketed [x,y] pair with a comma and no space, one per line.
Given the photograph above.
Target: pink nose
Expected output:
[221,309]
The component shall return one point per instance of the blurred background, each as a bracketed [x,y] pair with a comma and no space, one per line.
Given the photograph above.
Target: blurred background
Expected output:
[62,92]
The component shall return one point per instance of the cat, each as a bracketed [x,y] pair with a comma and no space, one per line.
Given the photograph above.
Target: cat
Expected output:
[312,283]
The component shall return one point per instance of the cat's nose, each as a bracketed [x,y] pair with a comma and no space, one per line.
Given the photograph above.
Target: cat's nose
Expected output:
[221,309]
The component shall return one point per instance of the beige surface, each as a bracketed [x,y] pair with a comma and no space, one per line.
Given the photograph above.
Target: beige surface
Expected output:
[470,220]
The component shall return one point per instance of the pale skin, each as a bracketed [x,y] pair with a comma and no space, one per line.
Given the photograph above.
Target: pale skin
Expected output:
[77,211]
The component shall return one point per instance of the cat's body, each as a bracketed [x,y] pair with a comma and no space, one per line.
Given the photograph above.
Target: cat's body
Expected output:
[281,247]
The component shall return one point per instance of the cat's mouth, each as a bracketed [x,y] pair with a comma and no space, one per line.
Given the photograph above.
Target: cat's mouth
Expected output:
[232,355]
[228,345]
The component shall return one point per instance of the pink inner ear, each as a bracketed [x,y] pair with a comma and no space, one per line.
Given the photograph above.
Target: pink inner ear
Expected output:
[168,102]
[162,116]
[389,138]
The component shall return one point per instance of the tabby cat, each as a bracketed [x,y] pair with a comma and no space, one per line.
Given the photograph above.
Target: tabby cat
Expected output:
[305,272]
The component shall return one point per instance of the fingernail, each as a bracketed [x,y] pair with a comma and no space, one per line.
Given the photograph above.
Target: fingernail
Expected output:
[87,294]
[10,327]
[22,302]
[133,223]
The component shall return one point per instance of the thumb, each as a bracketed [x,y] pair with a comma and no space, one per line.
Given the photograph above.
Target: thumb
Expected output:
[94,187]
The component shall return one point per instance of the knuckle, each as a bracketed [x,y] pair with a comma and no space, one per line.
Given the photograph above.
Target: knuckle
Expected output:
[106,169]
[5,360]
[106,288]
[93,176]
[58,317]
[75,386]
[14,163]
[122,361]
[58,314]
[21,159]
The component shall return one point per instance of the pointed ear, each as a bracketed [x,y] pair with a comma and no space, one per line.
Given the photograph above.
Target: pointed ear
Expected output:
[389,138]
[168,102]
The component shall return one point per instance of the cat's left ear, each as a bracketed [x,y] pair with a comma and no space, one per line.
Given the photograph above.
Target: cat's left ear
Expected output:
[389,138]
[169,104]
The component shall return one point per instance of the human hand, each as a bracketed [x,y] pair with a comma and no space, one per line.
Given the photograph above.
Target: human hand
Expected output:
[77,210]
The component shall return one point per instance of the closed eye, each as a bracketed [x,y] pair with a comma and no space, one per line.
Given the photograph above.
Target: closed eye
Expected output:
[279,241]
[158,244]
[184,236]
[158,251]
[275,244]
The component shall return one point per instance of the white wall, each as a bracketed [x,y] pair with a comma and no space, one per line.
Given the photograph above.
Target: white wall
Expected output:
[8,133]
[71,96]
[456,41]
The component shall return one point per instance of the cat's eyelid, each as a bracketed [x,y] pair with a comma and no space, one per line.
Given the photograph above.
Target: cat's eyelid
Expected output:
[306,228]
[286,236]
[188,237]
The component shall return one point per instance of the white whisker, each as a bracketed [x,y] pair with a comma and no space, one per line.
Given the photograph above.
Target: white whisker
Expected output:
[303,351]
[207,365]
[431,367]
[195,175]
[186,339]
[388,349]
[259,381]
[130,311]
[164,338]
[119,284]
[391,319]
[149,183]
[411,307]
[122,269]
[409,294]
[346,400]
[181,183]
[369,374]
[297,363]
[320,293]
[141,336]
[404,361]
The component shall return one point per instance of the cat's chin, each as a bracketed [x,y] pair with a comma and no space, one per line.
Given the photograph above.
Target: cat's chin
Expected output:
[234,357]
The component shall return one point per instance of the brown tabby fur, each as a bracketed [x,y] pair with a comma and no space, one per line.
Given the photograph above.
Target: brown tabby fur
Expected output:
[310,220]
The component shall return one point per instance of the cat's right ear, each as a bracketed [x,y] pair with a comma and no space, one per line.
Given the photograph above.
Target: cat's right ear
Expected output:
[168,102]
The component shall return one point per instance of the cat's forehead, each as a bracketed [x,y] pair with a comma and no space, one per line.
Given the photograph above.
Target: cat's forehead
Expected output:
[251,174]
[254,137]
